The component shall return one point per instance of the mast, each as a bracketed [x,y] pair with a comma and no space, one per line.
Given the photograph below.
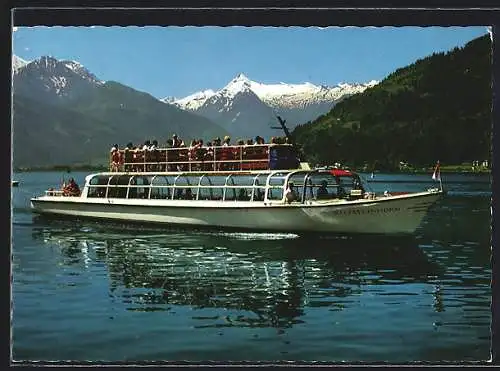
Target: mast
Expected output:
[284,128]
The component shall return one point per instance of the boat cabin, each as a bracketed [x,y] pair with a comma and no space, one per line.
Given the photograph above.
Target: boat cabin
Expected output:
[272,186]
[215,158]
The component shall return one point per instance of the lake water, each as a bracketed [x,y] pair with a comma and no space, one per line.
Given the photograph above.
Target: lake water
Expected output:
[88,291]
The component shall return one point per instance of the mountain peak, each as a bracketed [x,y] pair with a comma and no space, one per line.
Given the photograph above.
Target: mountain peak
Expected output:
[239,84]
[64,79]
[191,102]
[65,67]
[241,77]
[17,63]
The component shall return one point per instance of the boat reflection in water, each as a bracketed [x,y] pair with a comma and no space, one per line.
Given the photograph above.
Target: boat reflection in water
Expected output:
[264,280]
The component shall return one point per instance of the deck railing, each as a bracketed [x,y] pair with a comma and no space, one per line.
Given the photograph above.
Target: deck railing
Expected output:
[218,158]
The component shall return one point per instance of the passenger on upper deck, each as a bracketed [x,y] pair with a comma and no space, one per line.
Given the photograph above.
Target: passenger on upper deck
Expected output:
[194,145]
[217,142]
[209,157]
[153,155]
[193,154]
[227,140]
[176,141]
[116,159]
[128,156]
[259,140]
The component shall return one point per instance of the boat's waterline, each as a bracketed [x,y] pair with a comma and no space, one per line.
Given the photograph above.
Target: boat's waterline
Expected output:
[391,215]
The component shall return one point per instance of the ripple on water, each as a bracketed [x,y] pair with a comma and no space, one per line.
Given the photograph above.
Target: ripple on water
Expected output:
[92,291]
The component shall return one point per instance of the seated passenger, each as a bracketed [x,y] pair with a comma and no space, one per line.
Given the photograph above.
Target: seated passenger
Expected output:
[357,184]
[258,195]
[341,193]
[71,189]
[242,195]
[290,194]
[322,192]
[188,195]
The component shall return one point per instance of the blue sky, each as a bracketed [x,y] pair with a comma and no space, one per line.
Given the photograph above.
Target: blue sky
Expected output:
[178,61]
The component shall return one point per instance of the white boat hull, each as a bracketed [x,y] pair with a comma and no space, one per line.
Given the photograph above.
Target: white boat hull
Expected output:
[387,215]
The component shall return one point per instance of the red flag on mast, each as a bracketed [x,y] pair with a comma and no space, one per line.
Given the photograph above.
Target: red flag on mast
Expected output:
[437,172]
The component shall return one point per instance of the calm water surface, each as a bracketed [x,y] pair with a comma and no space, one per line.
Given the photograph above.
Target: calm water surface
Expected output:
[99,291]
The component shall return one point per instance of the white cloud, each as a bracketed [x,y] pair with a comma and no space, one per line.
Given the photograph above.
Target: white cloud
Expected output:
[14,29]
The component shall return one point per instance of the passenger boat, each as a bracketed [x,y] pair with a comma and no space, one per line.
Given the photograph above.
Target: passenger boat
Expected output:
[261,187]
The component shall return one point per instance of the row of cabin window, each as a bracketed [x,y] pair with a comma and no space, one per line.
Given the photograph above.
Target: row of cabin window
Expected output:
[161,187]
[184,193]
[124,180]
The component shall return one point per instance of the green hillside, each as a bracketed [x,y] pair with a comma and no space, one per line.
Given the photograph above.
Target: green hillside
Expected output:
[82,131]
[438,108]
[51,135]
[142,115]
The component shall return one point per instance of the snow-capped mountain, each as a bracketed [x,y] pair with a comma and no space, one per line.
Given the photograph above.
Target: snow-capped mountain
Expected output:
[297,103]
[63,114]
[54,80]
[191,102]
[17,63]
[238,110]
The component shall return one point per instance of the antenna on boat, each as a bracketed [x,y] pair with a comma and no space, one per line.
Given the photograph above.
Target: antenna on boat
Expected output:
[284,128]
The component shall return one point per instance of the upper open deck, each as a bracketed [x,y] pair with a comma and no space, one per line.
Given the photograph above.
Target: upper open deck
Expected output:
[215,158]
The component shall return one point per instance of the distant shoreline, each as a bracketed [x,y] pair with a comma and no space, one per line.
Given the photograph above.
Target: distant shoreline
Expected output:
[69,169]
